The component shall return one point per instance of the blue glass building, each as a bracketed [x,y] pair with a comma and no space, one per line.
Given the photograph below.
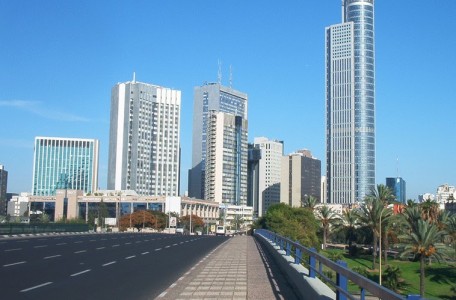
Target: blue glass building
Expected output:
[397,186]
[350,103]
[64,163]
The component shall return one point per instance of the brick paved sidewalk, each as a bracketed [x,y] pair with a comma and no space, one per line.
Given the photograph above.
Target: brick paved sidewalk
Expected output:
[238,269]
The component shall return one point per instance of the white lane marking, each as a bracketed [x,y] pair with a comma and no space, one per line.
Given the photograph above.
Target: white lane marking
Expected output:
[174,244]
[16,263]
[78,242]
[114,239]
[15,249]
[145,253]
[81,251]
[41,246]
[172,285]
[167,246]
[128,257]
[127,243]
[158,249]
[103,239]
[182,278]
[59,244]
[47,257]
[146,240]
[138,242]
[109,263]
[22,241]
[35,287]
[79,273]
[162,295]
[116,245]
[99,248]
[92,240]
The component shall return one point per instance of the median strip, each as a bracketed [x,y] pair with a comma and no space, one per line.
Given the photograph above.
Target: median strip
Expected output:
[79,273]
[16,263]
[35,287]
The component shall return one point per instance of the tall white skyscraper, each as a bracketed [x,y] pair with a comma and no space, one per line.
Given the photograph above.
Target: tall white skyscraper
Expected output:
[207,98]
[269,172]
[144,140]
[350,103]
[226,159]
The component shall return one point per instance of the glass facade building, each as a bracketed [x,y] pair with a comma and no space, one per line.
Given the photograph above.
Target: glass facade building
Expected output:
[64,163]
[397,187]
[350,103]
[207,98]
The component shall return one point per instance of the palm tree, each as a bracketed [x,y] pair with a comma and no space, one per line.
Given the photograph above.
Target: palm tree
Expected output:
[430,210]
[347,223]
[369,214]
[309,202]
[327,217]
[421,242]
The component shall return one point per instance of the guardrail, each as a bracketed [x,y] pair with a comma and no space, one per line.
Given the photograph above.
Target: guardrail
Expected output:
[343,274]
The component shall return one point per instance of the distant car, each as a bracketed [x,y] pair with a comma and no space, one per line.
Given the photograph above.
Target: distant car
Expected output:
[220,230]
[182,230]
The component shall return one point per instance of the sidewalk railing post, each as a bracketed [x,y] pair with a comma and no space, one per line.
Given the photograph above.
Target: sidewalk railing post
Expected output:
[312,264]
[341,282]
[298,254]
[288,248]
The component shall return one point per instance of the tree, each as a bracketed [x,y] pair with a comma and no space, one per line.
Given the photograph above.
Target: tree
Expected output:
[196,222]
[421,242]
[347,223]
[139,219]
[327,217]
[430,210]
[309,202]
[161,219]
[369,215]
[298,224]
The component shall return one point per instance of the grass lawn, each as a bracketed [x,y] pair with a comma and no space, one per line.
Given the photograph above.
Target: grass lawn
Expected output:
[440,278]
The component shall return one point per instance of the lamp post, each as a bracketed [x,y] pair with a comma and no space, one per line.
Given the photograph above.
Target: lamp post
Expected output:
[380,246]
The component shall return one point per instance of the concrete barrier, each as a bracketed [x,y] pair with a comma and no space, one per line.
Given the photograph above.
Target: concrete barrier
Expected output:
[297,275]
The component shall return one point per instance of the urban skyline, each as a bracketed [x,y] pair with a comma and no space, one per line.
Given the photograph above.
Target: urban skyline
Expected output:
[413,100]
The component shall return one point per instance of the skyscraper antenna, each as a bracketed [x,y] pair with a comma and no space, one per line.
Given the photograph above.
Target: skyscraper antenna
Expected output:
[219,71]
[343,11]
[231,77]
[134,77]
[397,167]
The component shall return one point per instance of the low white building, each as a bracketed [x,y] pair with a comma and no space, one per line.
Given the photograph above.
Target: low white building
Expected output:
[18,205]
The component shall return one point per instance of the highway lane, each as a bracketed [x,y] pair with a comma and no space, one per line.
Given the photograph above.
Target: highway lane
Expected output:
[105,266]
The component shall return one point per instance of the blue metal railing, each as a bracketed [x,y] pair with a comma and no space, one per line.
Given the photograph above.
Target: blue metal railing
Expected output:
[343,274]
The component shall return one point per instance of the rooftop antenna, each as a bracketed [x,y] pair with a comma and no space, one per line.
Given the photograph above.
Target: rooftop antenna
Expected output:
[397,167]
[219,72]
[231,77]
[134,77]
[343,11]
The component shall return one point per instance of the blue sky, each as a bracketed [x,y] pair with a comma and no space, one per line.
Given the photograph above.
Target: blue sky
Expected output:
[60,59]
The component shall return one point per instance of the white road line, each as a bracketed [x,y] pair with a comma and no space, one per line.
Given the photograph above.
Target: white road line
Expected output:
[167,246]
[174,244]
[172,285]
[128,257]
[138,242]
[146,240]
[92,240]
[158,249]
[47,257]
[23,241]
[162,295]
[59,244]
[103,239]
[182,278]
[35,287]
[127,243]
[78,242]
[79,273]
[16,263]
[116,245]
[145,253]
[99,248]
[80,251]
[41,246]
[15,249]
[109,263]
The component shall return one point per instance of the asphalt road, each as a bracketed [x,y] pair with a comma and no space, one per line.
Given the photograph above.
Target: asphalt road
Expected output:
[98,266]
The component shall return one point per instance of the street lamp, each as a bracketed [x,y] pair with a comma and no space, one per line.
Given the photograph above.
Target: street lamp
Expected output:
[380,246]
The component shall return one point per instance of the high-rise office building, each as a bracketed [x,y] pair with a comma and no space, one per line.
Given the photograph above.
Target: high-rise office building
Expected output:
[144,139]
[253,177]
[397,187]
[64,163]
[3,189]
[269,173]
[301,178]
[226,159]
[350,103]
[207,98]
